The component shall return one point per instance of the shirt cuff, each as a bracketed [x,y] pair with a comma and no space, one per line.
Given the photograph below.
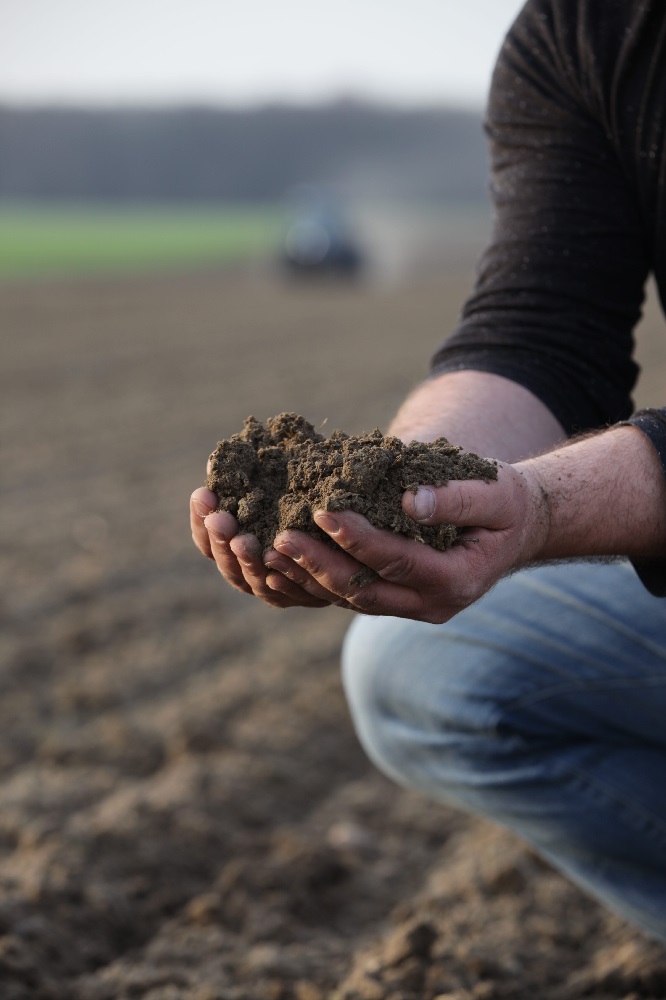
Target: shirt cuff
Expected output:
[652,422]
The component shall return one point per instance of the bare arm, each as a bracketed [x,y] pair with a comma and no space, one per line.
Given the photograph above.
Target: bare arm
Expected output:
[485,413]
[602,495]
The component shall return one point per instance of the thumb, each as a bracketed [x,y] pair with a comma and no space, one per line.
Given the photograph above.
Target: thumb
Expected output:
[465,503]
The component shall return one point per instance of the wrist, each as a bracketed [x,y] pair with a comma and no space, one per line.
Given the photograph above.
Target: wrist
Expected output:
[602,495]
[538,514]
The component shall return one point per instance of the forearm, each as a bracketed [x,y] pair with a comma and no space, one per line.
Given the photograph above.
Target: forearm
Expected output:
[485,413]
[600,495]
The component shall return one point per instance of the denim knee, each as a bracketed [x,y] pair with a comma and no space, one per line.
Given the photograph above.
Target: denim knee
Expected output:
[541,707]
[421,709]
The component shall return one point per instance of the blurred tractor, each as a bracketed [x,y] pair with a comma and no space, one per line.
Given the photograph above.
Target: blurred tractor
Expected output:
[318,240]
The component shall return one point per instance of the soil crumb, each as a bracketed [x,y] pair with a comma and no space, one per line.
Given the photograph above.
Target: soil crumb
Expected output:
[273,478]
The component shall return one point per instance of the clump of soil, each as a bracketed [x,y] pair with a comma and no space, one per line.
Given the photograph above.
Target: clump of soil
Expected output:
[273,478]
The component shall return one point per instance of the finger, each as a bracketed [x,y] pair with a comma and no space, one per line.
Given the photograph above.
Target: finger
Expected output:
[230,568]
[416,580]
[396,559]
[297,596]
[221,523]
[250,579]
[225,559]
[298,578]
[465,503]
[249,553]
[202,503]
[337,572]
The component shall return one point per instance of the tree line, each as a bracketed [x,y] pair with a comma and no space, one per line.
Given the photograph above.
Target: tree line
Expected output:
[205,153]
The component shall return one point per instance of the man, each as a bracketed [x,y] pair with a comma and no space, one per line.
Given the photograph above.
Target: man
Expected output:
[539,702]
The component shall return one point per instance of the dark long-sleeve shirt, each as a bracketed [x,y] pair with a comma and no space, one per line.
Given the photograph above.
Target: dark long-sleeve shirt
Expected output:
[577,127]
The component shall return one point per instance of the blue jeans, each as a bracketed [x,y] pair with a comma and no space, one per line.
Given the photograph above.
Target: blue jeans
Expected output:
[542,707]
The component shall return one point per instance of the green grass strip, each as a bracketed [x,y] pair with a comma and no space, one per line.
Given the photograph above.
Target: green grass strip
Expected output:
[41,241]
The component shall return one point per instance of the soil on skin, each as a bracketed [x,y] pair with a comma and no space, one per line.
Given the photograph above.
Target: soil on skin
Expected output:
[273,478]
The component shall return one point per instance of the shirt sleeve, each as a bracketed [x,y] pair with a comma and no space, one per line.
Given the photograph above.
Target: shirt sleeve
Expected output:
[652,422]
[560,286]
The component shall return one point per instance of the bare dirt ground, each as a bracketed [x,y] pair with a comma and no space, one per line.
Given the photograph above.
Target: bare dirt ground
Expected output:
[185,813]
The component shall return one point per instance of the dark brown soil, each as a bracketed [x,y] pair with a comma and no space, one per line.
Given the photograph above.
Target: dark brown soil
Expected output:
[273,478]
[185,812]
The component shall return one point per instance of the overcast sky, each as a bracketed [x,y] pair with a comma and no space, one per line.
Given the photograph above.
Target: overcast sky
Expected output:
[244,51]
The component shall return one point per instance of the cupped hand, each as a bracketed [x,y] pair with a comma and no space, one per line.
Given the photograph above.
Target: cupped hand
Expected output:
[504,525]
[241,560]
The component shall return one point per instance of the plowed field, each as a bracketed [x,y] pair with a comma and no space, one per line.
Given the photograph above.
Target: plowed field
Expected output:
[185,813]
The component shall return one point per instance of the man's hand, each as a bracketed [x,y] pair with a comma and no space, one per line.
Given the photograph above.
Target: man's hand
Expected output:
[504,522]
[486,413]
[503,525]
[240,559]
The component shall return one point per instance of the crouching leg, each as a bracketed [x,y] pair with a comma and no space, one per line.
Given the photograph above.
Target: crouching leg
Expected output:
[541,707]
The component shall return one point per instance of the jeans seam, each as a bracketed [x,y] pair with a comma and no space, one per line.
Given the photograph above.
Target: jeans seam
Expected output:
[609,684]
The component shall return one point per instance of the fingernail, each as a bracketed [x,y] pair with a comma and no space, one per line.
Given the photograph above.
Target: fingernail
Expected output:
[275,562]
[424,503]
[200,508]
[327,523]
[287,548]
[211,525]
